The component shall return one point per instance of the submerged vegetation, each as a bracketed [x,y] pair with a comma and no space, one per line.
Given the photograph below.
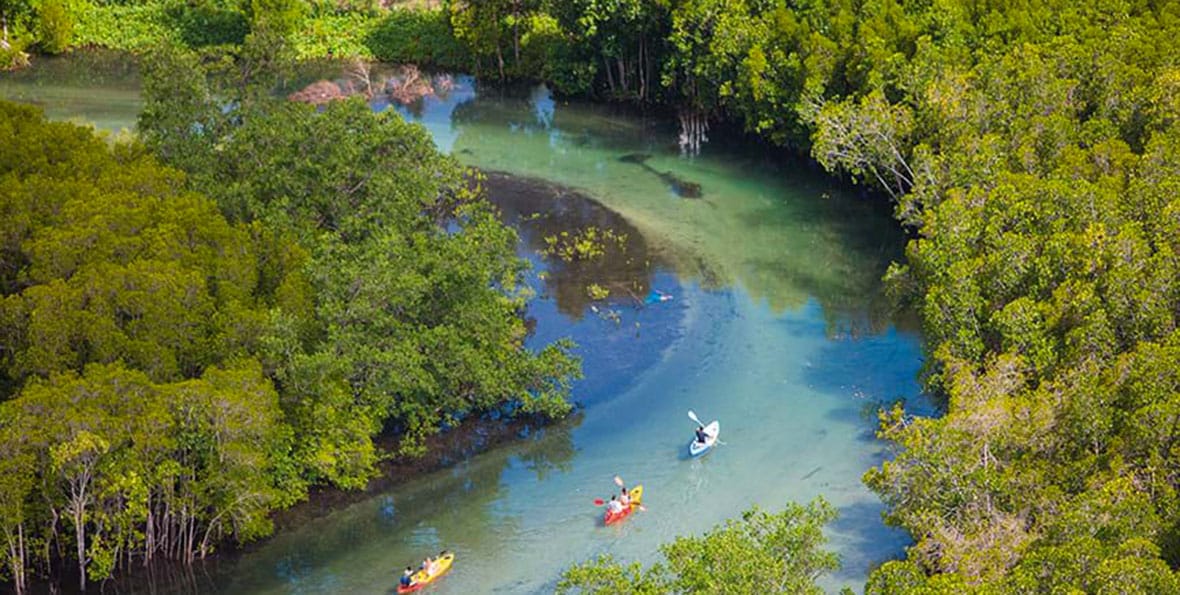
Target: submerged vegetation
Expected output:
[584,244]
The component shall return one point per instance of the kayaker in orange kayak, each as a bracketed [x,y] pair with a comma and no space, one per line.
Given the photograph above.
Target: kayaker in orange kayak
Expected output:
[625,498]
[407,577]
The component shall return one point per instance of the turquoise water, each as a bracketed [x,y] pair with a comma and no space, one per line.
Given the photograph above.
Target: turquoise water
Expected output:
[776,327]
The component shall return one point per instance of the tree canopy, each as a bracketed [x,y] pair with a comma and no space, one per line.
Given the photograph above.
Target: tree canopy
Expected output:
[760,552]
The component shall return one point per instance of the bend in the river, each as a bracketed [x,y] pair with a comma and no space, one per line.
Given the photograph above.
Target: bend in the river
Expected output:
[775,326]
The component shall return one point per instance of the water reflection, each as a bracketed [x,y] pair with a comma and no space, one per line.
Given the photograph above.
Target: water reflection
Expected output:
[95,88]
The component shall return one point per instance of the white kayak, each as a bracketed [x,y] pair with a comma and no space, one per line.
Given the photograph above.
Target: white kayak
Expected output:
[697,448]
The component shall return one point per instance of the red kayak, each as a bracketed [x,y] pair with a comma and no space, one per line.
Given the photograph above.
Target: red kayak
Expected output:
[636,496]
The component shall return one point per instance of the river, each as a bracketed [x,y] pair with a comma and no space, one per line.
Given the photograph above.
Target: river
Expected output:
[773,323]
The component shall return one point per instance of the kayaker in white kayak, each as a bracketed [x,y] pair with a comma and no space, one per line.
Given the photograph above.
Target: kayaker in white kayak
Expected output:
[702,437]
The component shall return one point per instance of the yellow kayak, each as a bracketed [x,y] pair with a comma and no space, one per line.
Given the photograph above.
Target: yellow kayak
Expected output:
[420,579]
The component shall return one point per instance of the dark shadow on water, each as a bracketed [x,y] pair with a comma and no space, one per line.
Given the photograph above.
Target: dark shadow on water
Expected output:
[678,185]
[885,368]
[859,527]
[540,210]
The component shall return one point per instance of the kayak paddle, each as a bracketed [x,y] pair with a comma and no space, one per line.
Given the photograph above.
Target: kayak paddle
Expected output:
[693,417]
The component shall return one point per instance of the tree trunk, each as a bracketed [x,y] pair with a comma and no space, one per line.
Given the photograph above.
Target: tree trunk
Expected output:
[190,555]
[19,575]
[500,59]
[643,68]
[610,81]
[693,125]
[16,557]
[149,534]
[516,32]
[80,541]
[622,64]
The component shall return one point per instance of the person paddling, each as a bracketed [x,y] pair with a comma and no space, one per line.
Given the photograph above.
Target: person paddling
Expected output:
[625,498]
[407,577]
[614,506]
[702,437]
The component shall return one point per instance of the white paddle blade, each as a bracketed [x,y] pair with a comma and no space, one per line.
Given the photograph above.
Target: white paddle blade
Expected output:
[693,417]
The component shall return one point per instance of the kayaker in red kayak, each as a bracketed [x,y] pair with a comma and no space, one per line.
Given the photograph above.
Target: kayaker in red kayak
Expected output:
[406,577]
[614,506]
[625,498]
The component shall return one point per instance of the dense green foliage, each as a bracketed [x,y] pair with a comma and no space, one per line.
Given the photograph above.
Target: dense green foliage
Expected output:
[417,284]
[131,27]
[1033,148]
[760,553]
[55,26]
[416,37]
[186,352]
[133,411]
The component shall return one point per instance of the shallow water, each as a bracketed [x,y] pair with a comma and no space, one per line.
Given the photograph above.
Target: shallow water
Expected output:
[97,88]
[775,326]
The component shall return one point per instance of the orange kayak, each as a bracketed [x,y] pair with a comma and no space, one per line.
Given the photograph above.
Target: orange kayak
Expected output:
[420,579]
[636,494]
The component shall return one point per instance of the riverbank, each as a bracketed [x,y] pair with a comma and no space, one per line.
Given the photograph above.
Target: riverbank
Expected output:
[471,438]
[536,208]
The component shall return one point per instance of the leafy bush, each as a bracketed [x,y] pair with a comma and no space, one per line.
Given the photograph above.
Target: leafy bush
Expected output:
[421,37]
[14,56]
[138,27]
[760,552]
[55,26]
[123,27]
[285,17]
[546,52]
[208,23]
[335,36]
